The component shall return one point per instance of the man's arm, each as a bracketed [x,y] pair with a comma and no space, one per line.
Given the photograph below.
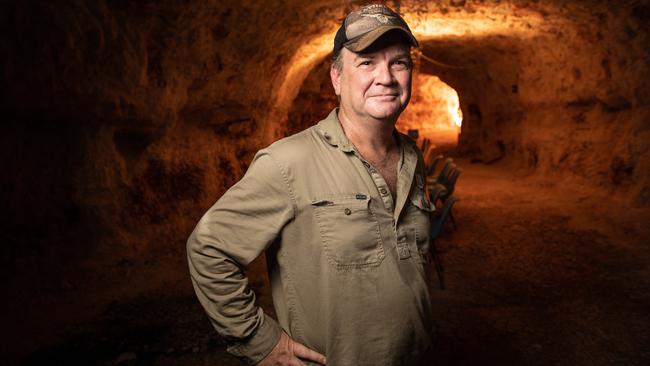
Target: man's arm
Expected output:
[236,230]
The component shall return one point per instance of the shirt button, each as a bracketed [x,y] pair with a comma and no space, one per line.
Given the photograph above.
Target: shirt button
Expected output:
[347,211]
[383,191]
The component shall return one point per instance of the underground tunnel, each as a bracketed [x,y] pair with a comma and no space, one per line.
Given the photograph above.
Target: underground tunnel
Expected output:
[124,121]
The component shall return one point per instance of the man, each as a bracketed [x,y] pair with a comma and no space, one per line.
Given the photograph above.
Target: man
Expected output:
[341,211]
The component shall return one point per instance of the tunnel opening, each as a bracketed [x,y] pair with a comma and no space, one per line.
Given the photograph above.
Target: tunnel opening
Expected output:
[433,114]
[485,72]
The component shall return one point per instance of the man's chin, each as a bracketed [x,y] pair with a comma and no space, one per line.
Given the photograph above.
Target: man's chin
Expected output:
[385,113]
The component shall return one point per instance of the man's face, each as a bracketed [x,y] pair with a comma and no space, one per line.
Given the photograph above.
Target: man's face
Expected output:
[376,84]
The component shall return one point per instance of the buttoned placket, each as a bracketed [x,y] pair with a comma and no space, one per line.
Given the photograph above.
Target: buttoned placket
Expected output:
[392,205]
[380,183]
[403,251]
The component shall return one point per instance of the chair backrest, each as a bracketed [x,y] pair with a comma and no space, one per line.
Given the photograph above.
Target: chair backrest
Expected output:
[426,144]
[441,216]
[432,165]
[451,183]
[444,175]
[435,192]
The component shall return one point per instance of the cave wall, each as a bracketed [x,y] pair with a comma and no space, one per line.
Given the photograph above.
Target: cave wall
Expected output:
[569,103]
[315,99]
[589,115]
[125,120]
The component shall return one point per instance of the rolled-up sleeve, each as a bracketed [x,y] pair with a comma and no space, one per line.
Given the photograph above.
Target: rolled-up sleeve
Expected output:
[234,231]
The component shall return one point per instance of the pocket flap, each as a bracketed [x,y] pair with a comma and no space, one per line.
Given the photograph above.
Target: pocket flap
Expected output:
[353,200]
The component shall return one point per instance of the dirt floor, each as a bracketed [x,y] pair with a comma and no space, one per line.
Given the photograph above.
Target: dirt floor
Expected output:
[537,273]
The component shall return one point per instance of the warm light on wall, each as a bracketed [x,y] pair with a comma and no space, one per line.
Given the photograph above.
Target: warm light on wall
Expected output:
[495,20]
[434,111]
[453,105]
[503,19]
[291,77]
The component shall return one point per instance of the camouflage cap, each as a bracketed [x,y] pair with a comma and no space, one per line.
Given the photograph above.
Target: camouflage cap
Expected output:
[362,28]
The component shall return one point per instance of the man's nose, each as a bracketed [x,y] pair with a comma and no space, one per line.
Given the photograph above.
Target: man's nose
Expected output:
[384,75]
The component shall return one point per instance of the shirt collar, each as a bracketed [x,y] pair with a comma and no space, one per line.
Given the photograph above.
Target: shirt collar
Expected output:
[331,131]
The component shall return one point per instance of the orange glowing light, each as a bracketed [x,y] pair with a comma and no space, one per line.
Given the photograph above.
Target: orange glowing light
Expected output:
[434,111]
[453,106]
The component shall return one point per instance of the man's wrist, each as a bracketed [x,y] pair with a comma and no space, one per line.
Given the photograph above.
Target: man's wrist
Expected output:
[256,347]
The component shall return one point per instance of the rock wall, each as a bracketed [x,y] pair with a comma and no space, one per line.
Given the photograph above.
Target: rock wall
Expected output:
[588,114]
[570,102]
[125,120]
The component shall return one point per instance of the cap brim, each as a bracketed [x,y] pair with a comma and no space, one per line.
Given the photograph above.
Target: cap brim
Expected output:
[366,40]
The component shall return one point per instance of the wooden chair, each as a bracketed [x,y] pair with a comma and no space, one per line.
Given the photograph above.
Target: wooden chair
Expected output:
[426,145]
[444,172]
[436,228]
[447,189]
[431,163]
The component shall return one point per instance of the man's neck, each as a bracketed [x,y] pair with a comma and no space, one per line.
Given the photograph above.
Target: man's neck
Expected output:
[369,135]
[373,139]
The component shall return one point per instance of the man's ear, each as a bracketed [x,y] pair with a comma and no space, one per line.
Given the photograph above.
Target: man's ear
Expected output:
[335,75]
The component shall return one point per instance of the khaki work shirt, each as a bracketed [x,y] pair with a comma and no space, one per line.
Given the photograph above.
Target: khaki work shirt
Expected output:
[346,263]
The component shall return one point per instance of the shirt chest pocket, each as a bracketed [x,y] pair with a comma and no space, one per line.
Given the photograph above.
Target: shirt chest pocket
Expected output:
[349,231]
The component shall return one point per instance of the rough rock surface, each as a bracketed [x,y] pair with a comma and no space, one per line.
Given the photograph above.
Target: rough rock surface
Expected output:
[123,121]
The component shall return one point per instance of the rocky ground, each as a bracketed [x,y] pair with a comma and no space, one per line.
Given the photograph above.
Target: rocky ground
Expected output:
[538,272]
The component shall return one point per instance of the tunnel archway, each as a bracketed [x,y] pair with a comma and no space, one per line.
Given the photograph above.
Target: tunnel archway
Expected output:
[433,114]
[485,72]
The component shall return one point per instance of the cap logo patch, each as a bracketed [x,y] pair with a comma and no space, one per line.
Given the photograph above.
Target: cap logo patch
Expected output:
[381,18]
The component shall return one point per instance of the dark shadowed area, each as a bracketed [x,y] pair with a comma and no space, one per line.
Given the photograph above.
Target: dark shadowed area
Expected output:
[123,121]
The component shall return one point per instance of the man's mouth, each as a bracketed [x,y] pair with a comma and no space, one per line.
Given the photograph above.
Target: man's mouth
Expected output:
[384,96]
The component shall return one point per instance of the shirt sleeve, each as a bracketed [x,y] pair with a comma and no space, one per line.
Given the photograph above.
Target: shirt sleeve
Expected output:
[234,231]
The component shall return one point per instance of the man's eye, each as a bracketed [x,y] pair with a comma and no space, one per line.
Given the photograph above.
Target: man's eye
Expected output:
[401,64]
[364,63]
